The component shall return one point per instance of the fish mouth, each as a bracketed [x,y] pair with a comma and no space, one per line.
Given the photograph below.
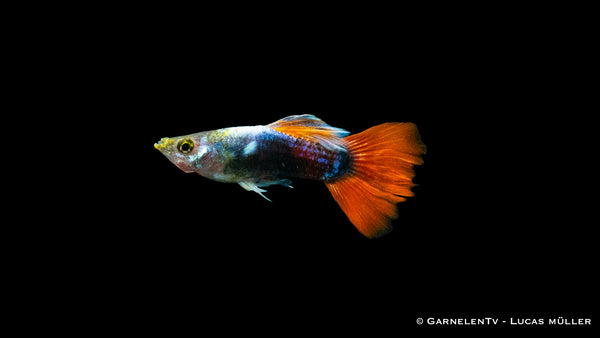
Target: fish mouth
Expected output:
[163,143]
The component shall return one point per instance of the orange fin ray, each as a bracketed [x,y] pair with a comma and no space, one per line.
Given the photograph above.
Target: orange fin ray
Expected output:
[311,128]
[383,157]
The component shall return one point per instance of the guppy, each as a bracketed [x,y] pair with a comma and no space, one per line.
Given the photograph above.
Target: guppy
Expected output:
[367,173]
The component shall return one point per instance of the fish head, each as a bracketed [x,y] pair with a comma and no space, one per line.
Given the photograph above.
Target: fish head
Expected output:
[186,152]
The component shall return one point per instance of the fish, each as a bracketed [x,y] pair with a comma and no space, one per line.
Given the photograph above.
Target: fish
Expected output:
[367,173]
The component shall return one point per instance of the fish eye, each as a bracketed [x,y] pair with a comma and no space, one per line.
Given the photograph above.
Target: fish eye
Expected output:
[185,146]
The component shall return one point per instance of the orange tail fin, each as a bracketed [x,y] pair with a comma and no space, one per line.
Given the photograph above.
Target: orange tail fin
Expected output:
[382,170]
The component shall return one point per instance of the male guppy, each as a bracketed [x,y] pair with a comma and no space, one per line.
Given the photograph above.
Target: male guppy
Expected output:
[367,173]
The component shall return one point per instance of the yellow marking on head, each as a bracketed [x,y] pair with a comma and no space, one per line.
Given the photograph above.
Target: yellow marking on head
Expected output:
[218,135]
[164,142]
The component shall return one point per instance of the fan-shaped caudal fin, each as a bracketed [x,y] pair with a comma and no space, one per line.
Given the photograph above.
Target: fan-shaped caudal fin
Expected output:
[382,170]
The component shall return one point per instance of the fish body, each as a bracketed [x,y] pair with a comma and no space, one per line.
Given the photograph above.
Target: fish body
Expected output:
[303,146]
[261,154]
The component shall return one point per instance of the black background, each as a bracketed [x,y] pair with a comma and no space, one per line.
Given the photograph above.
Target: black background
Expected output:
[496,226]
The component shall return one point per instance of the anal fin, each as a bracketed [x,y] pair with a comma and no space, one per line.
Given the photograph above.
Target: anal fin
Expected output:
[284,182]
[249,186]
[256,186]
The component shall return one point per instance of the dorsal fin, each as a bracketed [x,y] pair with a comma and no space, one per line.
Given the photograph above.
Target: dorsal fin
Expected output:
[312,128]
